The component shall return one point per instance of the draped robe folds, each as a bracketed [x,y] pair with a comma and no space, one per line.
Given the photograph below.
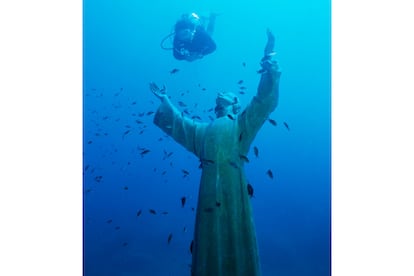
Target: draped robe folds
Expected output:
[224,236]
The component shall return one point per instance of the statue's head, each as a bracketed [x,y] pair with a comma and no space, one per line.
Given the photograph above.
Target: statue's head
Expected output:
[227,103]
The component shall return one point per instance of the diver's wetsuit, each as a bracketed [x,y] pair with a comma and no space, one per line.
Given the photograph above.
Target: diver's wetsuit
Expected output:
[200,45]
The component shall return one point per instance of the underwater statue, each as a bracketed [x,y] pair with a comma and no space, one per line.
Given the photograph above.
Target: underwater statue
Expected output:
[224,239]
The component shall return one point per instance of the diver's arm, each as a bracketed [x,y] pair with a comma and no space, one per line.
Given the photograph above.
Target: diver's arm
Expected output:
[211,23]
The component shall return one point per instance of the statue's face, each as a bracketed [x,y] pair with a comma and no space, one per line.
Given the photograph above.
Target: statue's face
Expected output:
[226,103]
[222,110]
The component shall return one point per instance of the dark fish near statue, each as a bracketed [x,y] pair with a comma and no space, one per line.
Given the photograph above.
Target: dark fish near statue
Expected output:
[250,190]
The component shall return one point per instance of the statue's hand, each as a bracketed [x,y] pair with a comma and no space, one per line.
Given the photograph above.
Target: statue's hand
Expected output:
[267,62]
[159,93]
[270,45]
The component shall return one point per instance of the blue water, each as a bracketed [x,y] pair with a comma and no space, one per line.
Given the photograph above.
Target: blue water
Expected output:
[122,54]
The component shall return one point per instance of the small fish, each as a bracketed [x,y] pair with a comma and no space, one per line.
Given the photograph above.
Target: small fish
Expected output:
[168,154]
[133,103]
[205,162]
[230,116]
[261,71]
[270,173]
[138,122]
[256,151]
[175,70]
[126,188]
[204,89]
[242,87]
[273,122]
[125,133]
[117,227]
[233,164]
[125,244]
[185,229]
[150,112]
[191,247]
[210,110]
[98,178]
[244,158]
[240,136]
[218,204]
[109,221]
[139,213]
[152,211]
[145,151]
[240,82]
[169,238]
[196,117]
[180,103]
[86,168]
[244,64]
[185,172]
[164,213]
[242,92]
[250,190]
[286,125]
[89,142]
[183,199]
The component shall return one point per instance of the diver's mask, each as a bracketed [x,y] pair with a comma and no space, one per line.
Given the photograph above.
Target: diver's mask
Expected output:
[193,21]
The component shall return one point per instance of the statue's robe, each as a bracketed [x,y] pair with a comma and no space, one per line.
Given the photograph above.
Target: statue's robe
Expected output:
[224,239]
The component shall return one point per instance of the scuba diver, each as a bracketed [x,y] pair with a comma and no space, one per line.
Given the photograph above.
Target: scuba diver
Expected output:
[191,38]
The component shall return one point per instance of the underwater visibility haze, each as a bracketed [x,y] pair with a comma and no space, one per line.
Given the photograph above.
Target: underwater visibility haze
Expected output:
[140,188]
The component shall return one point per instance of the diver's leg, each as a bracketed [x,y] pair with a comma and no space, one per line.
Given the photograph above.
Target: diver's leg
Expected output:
[211,23]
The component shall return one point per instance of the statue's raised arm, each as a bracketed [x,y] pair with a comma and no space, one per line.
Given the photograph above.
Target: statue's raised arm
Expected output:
[267,97]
